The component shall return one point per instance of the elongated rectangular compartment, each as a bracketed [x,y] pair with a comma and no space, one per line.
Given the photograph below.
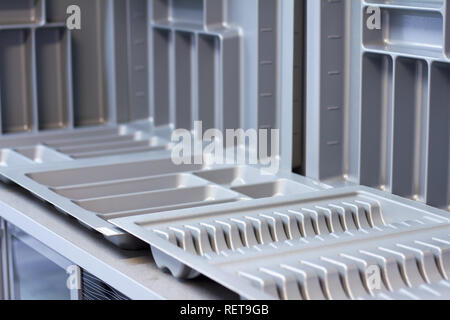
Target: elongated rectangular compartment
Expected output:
[321,245]
[96,106]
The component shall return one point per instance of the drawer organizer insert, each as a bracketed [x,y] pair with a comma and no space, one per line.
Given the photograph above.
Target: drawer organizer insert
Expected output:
[312,246]
[87,115]
[388,125]
[96,190]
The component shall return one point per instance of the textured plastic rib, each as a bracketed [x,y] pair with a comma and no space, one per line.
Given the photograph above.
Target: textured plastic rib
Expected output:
[383,122]
[321,245]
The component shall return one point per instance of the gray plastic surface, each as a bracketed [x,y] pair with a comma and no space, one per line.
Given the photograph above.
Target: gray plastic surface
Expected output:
[315,246]
[135,71]
[138,69]
[377,99]
[21,12]
[96,190]
[169,63]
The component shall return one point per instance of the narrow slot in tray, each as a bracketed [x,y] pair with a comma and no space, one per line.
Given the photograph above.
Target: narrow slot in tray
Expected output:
[15,141]
[406,31]
[87,141]
[118,151]
[230,83]
[10,157]
[185,11]
[103,173]
[234,176]
[286,248]
[109,146]
[172,207]
[21,12]
[376,117]
[447,29]
[438,181]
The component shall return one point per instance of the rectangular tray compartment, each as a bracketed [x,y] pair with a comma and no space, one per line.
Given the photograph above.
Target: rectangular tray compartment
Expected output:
[207,63]
[277,188]
[184,11]
[42,154]
[184,79]
[234,176]
[376,116]
[161,89]
[438,182]
[91,51]
[16,81]
[407,31]
[293,247]
[447,29]
[75,141]
[119,151]
[145,184]
[161,199]
[189,12]
[9,157]
[103,173]
[389,129]
[21,12]
[187,63]
[54,78]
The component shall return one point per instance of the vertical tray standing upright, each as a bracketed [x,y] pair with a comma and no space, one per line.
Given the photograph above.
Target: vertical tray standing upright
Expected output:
[377,98]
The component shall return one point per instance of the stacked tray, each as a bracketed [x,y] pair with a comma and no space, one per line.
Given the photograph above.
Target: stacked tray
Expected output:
[321,245]
[134,72]
[96,190]
[139,69]
[369,128]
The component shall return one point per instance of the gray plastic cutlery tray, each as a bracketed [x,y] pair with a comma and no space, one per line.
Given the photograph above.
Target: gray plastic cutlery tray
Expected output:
[314,246]
[95,191]
[378,113]
[87,116]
